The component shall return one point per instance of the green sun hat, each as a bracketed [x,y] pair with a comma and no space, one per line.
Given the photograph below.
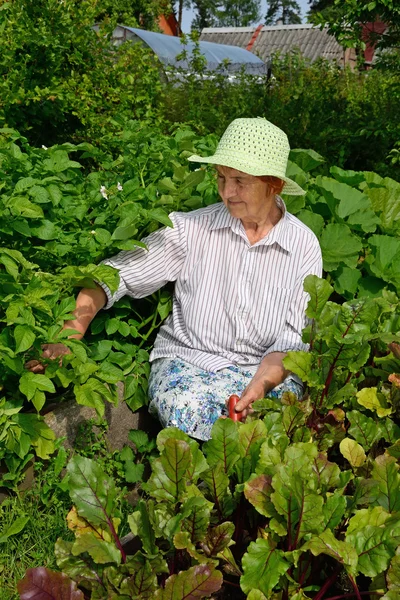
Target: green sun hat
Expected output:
[256,147]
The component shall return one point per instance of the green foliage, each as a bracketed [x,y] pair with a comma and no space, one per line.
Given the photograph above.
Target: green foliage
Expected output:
[348,20]
[66,215]
[142,13]
[297,518]
[58,76]
[285,12]
[350,118]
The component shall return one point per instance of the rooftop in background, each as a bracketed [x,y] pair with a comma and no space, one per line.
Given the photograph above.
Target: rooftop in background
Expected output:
[168,48]
[264,40]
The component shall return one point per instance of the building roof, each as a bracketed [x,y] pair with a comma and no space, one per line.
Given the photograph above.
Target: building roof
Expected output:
[311,41]
[227,59]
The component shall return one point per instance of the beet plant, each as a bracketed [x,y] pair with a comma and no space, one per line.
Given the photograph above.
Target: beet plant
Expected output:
[300,501]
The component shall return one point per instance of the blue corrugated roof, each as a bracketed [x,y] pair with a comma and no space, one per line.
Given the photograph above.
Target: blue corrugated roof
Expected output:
[168,47]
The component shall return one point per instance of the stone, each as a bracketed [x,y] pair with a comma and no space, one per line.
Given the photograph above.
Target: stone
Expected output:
[66,418]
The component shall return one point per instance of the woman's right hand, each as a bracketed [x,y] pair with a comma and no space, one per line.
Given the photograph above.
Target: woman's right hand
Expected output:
[50,352]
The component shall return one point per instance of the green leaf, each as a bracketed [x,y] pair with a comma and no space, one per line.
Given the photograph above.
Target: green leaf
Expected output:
[80,570]
[376,517]
[30,382]
[59,162]
[385,202]
[306,159]
[217,482]
[168,480]
[196,517]
[46,231]
[24,184]
[352,452]
[24,338]
[296,501]
[218,538]
[194,178]
[39,194]
[54,193]
[293,418]
[197,582]
[393,576]
[386,472]
[339,246]
[326,543]
[375,547]
[373,401]
[348,199]
[38,400]
[101,551]
[334,510]
[223,447]
[124,233]
[23,207]
[269,458]
[133,472]
[313,220]
[92,491]
[258,492]
[182,541]
[347,280]
[139,438]
[363,429]
[93,393]
[144,528]
[263,565]
[158,214]
[143,581]
[320,291]
[352,178]
[300,363]
[383,259]
[328,473]
[17,526]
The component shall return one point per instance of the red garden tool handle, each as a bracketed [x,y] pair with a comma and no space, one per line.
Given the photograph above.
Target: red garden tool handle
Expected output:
[233,400]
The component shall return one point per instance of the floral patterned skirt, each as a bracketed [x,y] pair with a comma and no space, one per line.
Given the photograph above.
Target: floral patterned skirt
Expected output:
[192,399]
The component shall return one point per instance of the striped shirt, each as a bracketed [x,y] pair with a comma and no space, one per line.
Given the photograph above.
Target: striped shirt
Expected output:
[233,302]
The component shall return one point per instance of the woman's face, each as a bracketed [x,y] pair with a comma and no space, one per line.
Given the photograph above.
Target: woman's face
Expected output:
[247,197]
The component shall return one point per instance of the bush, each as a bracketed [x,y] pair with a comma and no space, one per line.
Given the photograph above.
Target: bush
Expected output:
[60,81]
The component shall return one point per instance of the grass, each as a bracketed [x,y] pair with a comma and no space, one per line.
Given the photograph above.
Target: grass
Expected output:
[47,504]
[34,545]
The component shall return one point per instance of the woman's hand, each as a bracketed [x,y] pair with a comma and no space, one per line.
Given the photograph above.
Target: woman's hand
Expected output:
[88,304]
[50,352]
[254,391]
[270,373]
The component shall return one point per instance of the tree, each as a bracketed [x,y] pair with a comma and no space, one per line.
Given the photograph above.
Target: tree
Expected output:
[238,13]
[205,16]
[225,13]
[285,12]
[180,5]
[137,13]
[347,22]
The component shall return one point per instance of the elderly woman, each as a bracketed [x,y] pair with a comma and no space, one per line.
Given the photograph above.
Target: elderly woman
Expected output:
[238,268]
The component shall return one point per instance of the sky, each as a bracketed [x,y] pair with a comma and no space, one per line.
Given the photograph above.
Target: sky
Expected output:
[188,15]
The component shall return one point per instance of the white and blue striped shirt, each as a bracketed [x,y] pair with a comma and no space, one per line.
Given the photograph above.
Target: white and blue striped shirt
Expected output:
[233,303]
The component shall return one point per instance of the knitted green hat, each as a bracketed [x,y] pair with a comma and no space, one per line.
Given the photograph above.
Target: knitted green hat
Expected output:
[256,147]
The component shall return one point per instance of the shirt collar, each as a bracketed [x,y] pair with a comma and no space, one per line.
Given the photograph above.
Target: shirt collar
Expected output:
[279,234]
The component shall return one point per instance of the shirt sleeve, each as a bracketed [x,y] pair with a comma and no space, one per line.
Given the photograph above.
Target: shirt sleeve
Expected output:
[290,337]
[144,271]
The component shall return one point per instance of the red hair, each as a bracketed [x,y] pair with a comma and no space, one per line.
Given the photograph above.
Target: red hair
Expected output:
[274,183]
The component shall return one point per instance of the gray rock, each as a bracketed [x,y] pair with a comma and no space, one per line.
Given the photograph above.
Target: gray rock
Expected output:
[66,418]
